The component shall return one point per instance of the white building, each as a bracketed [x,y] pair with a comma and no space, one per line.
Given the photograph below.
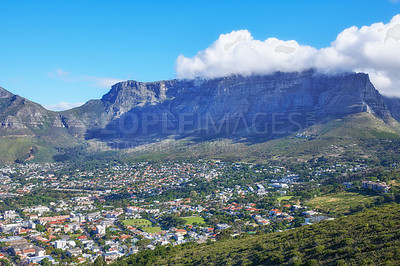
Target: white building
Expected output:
[101,230]
[10,215]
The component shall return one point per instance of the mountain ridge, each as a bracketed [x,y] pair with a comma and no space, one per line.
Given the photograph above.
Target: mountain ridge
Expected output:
[257,108]
[240,96]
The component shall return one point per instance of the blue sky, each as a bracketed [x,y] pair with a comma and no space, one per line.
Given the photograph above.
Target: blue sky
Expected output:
[70,51]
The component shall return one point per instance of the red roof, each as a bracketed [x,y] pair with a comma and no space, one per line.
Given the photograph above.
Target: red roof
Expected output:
[275,210]
[125,237]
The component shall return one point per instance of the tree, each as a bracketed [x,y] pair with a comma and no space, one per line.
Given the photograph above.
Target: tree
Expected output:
[40,228]
[224,234]
[4,262]
[45,262]
[172,221]
[99,261]
[143,242]
[193,194]
[298,221]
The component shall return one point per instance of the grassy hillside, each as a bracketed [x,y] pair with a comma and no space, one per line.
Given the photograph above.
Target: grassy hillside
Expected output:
[340,202]
[360,138]
[367,238]
[32,149]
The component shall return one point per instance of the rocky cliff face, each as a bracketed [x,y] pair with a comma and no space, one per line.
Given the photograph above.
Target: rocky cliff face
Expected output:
[21,117]
[393,104]
[236,106]
[255,106]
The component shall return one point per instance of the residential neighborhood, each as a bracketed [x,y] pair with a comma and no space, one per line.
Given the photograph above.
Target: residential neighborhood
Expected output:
[54,214]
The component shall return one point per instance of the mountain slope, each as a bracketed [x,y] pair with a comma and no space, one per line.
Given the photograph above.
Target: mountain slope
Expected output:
[260,106]
[358,137]
[367,238]
[27,130]
[252,117]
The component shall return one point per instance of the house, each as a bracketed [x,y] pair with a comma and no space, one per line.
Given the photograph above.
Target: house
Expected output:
[93,216]
[6,228]
[26,249]
[377,186]
[275,212]
[310,213]
[38,209]
[73,252]
[101,230]
[112,256]
[222,226]
[10,215]
[133,250]
[63,244]
[181,232]
[53,219]
[151,247]
[178,237]
[40,252]
[347,185]
[278,185]
[38,259]
[82,237]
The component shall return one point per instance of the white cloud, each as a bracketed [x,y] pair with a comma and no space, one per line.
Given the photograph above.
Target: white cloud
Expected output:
[61,106]
[102,82]
[373,49]
[58,73]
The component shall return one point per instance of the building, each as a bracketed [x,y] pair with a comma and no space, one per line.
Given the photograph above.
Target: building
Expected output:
[73,252]
[53,219]
[10,215]
[38,259]
[377,186]
[101,230]
[63,244]
[6,228]
[278,185]
[112,256]
[222,226]
[40,252]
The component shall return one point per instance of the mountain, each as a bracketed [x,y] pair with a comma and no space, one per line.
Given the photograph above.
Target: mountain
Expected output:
[238,113]
[27,130]
[236,106]
[393,104]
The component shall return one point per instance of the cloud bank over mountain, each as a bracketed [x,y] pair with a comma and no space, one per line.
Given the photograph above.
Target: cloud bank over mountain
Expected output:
[373,49]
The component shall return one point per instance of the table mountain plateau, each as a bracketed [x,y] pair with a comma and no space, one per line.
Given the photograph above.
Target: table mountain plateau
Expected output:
[254,109]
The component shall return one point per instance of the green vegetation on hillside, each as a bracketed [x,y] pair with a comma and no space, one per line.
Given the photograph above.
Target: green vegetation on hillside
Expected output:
[360,137]
[341,202]
[366,238]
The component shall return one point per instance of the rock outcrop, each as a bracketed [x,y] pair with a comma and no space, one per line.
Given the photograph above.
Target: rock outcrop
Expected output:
[232,106]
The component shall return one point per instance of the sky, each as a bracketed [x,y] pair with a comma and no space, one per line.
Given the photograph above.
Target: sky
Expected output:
[64,53]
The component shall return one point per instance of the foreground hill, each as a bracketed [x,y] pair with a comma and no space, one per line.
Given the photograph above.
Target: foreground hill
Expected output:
[367,238]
